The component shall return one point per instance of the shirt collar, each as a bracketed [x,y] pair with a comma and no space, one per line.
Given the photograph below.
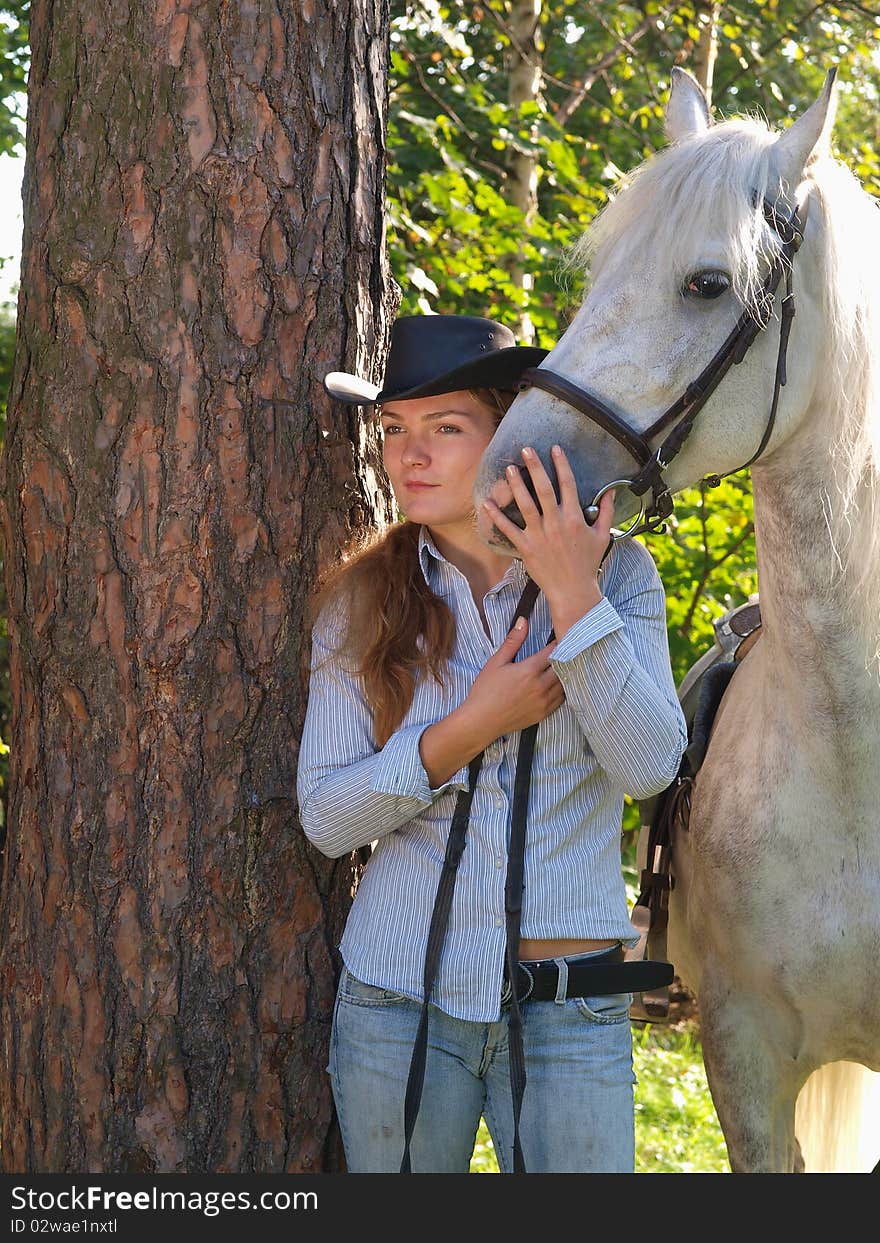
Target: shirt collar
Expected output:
[515,572]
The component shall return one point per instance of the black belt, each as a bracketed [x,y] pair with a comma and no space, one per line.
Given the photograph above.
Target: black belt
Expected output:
[599,975]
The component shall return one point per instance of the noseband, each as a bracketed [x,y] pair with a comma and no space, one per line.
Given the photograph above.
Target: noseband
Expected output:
[788,224]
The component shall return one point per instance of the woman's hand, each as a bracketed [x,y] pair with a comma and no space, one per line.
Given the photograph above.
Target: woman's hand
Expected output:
[558,548]
[507,694]
[504,698]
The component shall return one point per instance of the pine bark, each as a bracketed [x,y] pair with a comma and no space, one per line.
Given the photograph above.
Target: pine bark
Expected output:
[203,232]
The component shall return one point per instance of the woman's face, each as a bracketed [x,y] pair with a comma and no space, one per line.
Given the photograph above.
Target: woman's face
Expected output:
[431,448]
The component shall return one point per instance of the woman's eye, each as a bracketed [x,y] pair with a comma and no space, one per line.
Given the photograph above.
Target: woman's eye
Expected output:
[707,284]
[391,429]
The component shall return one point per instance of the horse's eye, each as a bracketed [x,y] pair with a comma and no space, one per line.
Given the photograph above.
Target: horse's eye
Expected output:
[707,284]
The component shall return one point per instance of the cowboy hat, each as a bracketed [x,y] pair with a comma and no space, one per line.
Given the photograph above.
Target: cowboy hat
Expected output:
[433,354]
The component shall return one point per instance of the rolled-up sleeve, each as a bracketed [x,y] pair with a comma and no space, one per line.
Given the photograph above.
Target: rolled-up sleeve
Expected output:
[349,792]
[614,668]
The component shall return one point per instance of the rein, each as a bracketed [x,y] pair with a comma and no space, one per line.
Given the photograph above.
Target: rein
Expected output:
[512,909]
[631,976]
[788,224]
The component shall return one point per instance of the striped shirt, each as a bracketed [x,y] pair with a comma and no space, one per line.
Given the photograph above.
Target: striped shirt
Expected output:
[619,730]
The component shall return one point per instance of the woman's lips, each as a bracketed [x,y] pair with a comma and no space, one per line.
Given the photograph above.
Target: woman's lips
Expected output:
[417,485]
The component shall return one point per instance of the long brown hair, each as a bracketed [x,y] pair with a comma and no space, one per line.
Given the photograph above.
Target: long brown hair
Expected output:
[396,629]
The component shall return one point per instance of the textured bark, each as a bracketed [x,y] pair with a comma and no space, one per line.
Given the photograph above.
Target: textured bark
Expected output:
[203,204]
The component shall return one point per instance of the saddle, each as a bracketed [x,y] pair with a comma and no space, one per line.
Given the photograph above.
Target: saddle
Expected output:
[668,812]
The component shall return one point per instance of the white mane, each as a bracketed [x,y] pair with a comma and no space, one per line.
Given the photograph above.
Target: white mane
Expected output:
[704,187]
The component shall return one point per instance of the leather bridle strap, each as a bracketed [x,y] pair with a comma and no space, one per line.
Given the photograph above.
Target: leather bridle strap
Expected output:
[787,311]
[569,392]
[788,225]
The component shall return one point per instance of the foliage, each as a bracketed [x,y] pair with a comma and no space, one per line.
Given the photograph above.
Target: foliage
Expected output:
[707,555]
[13,72]
[600,111]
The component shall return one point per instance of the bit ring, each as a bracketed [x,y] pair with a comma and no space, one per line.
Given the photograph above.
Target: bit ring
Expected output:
[591,512]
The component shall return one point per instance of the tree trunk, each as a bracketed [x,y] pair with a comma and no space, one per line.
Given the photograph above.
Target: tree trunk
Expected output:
[203,207]
[524,86]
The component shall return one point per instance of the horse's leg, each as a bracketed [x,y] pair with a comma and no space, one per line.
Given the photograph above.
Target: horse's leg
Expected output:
[753,1080]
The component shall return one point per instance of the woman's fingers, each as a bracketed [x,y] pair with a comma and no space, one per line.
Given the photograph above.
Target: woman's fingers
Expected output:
[503,523]
[603,522]
[540,480]
[540,658]
[568,493]
[521,494]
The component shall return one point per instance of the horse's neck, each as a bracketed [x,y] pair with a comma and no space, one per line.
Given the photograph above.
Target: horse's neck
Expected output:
[817,637]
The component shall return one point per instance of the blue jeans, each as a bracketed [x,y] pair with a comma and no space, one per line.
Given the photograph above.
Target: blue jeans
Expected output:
[577,1113]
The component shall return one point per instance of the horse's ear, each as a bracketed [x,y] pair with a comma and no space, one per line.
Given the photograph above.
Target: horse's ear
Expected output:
[808,137]
[687,112]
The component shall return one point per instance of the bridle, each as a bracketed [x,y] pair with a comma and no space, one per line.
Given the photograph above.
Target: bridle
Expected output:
[637,976]
[788,224]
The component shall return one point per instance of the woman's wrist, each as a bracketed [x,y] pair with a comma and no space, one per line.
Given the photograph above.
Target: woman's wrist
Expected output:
[572,606]
[447,745]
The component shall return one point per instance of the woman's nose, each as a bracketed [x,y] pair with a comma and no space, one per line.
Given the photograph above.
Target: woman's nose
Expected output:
[415,451]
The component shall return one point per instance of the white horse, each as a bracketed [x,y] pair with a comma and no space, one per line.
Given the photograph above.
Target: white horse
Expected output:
[775,919]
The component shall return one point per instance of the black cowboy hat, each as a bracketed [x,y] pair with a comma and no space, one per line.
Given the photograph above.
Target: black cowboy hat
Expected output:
[433,354]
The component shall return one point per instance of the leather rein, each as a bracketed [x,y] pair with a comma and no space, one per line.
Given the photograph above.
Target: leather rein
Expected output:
[788,224]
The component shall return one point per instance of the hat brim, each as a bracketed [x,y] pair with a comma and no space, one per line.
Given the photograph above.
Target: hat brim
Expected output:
[500,369]
[350,388]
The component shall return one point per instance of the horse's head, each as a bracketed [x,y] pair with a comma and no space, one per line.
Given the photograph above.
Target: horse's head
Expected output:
[681,257]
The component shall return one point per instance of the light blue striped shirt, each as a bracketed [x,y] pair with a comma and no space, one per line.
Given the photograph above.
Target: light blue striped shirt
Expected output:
[619,730]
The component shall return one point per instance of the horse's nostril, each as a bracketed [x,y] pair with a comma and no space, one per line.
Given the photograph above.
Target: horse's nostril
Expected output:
[511,511]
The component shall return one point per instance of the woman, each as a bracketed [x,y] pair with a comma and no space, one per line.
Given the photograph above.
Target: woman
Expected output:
[413,675]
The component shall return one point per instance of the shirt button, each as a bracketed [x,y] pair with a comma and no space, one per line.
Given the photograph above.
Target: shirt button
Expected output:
[499,862]
[498,800]
[499,923]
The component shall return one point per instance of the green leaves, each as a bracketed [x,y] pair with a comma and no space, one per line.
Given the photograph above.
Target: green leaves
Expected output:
[706,559]
[14,62]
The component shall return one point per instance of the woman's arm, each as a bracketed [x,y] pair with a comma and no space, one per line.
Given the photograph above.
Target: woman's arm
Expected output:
[349,793]
[613,652]
[614,666]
